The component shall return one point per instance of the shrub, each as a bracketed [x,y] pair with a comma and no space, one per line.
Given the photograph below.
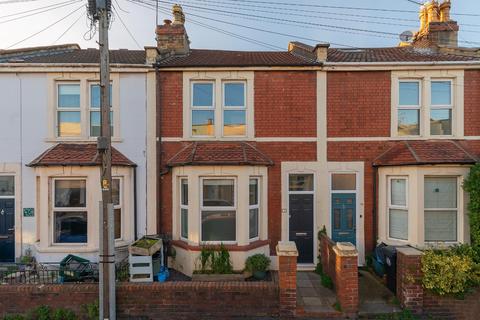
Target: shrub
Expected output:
[472,186]
[257,262]
[450,271]
[215,261]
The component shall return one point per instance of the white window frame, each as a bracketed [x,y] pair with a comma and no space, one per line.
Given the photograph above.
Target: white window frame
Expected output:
[396,207]
[234,208]
[184,207]
[120,206]
[58,109]
[68,209]
[203,108]
[255,206]
[450,107]
[234,108]
[457,209]
[91,109]
[410,107]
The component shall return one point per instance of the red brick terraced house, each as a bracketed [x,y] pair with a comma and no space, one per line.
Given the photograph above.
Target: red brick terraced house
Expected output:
[258,147]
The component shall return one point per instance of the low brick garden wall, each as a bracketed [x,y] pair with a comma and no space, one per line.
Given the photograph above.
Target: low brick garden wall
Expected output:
[170,300]
[414,297]
[340,262]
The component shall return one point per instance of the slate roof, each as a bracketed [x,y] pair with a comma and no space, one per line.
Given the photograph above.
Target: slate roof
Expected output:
[426,152]
[77,154]
[223,58]
[301,55]
[219,153]
[70,53]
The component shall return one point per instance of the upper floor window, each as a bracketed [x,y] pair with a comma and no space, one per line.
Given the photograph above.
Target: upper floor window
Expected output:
[425,107]
[95,104]
[218,109]
[203,109]
[68,110]
[441,108]
[234,109]
[78,110]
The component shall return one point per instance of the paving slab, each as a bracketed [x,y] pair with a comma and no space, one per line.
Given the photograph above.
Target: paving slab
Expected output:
[374,297]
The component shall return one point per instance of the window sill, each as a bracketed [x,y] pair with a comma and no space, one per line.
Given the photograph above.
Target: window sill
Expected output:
[230,247]
[79,139]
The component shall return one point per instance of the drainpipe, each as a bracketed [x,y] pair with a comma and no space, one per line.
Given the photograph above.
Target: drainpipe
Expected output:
[374,211]
[159,150]
[135,226]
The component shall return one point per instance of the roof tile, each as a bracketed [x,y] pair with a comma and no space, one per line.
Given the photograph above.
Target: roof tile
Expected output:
[219,153]
[77,154]
[423,152]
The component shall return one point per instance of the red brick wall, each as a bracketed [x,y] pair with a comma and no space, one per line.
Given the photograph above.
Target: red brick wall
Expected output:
[366,152]
[170,103]
[279,152]
[358,104]
[343,269]
[472,102]
[287,277]
[414,297]
[285,104]
[171,300]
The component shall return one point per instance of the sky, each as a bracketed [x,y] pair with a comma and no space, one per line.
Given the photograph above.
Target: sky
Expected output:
[228,24]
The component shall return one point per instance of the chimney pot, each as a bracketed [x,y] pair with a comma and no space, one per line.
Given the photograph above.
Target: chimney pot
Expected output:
[167,22]
[321,52]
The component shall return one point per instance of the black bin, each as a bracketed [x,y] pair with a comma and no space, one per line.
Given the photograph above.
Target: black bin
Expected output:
[390,253]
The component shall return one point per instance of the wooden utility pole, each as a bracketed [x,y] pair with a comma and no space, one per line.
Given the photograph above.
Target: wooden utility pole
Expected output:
[107,253]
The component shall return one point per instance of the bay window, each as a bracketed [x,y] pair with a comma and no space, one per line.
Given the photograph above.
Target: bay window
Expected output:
[117,198]
[184,208]
[69,211]
[441,209]
[253,214]
[68,110]
[218,210]
[397,208]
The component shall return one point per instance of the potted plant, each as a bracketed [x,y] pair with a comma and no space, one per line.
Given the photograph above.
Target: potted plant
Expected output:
[258,265]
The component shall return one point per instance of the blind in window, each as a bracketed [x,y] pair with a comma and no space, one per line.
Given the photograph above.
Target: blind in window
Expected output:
[441,225]
[398,224]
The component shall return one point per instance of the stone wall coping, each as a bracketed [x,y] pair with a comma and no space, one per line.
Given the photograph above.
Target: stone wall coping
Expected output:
[287,249]
[409,251]
[345,249]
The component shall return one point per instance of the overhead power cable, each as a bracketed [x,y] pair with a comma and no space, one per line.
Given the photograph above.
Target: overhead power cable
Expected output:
[70,27]
[287,22]
[39,8]
[47,27]
[16,1]
[125,26]
[290,4]
[57,6]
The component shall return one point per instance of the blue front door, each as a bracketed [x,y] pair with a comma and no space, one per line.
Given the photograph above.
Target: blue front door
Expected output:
[7,230]
[343,217]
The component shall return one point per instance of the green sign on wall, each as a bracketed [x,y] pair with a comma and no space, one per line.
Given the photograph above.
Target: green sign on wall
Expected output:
[28,212]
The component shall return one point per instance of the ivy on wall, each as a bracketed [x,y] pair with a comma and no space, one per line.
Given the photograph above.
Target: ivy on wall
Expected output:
[472,186]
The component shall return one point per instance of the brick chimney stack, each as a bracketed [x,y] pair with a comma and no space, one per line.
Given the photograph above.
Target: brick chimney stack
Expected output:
[436,27]
[172,37]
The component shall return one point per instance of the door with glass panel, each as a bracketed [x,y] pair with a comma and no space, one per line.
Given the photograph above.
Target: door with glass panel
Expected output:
[7,219]
[344,228]
[301,222]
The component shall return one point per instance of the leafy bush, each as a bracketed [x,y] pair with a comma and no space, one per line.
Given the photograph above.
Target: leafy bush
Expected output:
[215,261]
[403,315]
[450,271]
[257,262]
[92,310]
[472,186]
[326,281]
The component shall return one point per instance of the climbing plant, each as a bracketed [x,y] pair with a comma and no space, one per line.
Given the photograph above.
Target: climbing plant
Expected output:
[472,186]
